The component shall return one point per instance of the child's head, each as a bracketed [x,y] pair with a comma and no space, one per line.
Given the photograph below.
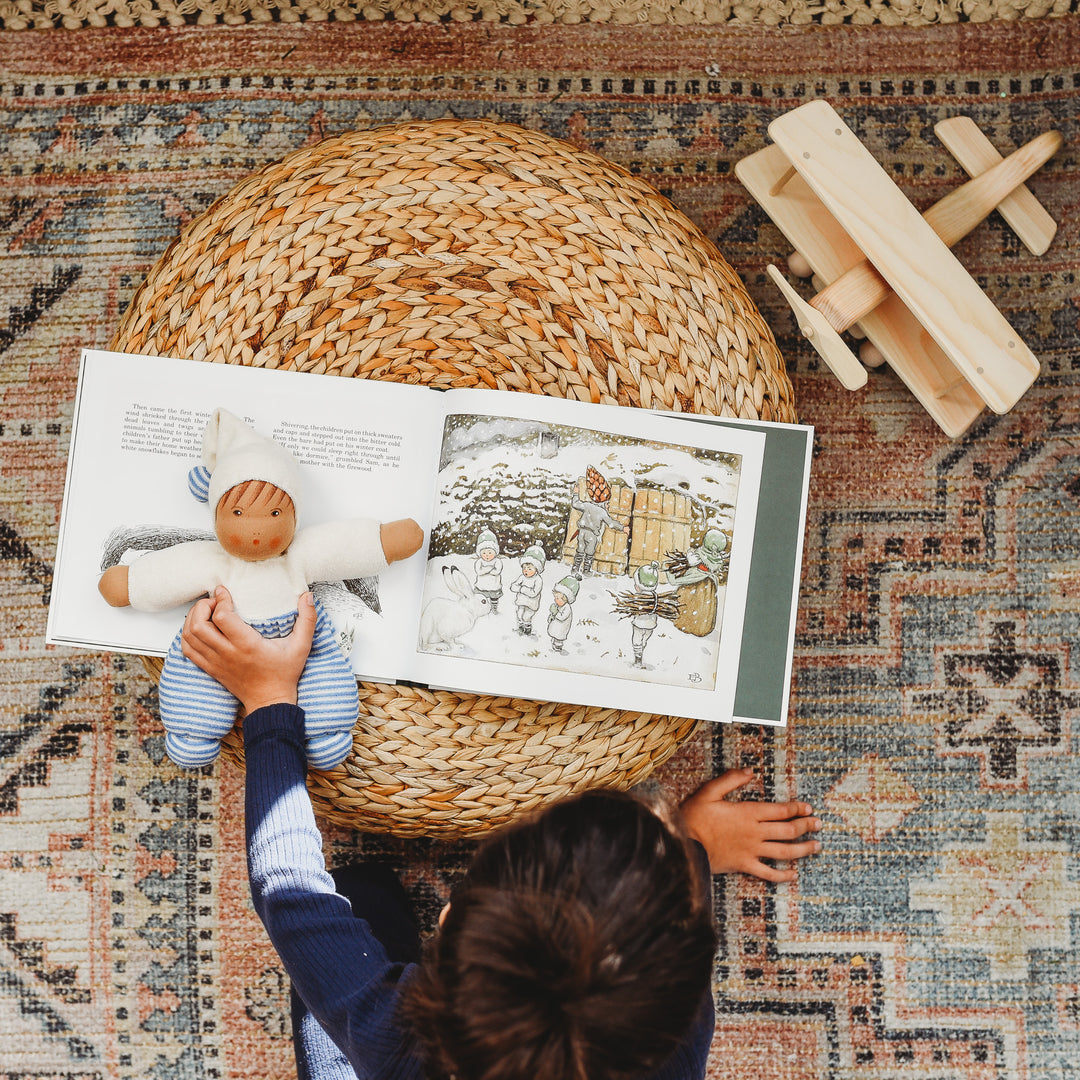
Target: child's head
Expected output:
[578,944]
[255,520]
[487,545]
[533,560]
[565,591]
[647,577]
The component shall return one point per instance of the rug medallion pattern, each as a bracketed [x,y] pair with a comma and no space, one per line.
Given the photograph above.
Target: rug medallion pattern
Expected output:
[935,704]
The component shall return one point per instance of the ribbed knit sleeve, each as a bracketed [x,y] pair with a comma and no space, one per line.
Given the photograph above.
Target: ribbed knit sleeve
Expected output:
[336,964]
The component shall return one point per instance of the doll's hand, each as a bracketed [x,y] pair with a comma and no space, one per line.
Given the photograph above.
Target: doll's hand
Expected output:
[738,835]
[258,671]
[400,539]
[113,585]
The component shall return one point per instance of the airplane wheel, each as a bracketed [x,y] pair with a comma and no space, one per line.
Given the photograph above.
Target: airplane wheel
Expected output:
[871,355]
[798,265]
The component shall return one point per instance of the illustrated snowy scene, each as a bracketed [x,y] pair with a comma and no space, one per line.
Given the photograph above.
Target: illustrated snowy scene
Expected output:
[578,550]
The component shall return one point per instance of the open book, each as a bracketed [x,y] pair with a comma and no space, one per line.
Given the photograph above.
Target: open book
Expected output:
[574,552]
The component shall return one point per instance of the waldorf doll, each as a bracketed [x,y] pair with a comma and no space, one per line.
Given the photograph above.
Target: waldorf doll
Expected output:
[253,486]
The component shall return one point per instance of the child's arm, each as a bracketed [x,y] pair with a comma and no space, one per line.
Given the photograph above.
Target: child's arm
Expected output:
[738,836]
[333,959]
[615,523]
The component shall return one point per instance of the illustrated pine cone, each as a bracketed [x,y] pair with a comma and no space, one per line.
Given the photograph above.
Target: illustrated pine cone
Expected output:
[599,489]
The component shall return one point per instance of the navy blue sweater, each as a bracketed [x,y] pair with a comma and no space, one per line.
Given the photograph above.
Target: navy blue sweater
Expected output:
[336,964]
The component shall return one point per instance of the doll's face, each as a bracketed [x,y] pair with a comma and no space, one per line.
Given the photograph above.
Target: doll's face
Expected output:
[255,521]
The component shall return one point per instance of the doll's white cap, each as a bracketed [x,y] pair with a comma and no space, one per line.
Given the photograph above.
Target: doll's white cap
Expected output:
[233,452]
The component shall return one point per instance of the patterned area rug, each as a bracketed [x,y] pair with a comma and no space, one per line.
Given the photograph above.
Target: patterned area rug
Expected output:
[935,700]
[80,14]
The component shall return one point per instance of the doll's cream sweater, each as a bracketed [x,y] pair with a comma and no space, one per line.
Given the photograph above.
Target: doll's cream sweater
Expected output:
[260,589]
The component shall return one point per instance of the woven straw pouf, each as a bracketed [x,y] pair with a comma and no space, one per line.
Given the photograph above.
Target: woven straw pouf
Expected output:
[466,254]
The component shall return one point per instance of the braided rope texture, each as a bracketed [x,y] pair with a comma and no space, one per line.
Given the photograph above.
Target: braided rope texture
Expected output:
[452,253]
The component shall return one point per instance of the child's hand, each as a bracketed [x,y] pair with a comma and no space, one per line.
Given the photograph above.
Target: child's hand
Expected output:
[258,671]
[738,835]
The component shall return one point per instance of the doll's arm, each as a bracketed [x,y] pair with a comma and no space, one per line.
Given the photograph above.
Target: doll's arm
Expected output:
[354,549]
[164,579]
[400,538]
[113,585]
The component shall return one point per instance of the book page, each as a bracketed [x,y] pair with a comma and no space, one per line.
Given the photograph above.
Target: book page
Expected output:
[765,664]
[365,449]
[589,554]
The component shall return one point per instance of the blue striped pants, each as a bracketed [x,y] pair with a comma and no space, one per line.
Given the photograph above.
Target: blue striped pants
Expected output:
[197,711]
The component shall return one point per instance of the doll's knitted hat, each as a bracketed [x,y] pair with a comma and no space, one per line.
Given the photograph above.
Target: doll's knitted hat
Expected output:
[232,453]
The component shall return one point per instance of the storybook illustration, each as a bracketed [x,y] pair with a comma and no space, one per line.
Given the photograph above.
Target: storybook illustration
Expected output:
[575,549]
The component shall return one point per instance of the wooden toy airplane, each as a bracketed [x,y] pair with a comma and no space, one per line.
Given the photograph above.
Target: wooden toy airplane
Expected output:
[885,271]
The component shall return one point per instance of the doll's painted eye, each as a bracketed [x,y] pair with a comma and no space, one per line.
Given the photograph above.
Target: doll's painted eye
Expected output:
[238,512]
[275,513]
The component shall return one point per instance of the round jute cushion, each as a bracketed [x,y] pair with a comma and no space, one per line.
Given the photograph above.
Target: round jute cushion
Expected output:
[458,253]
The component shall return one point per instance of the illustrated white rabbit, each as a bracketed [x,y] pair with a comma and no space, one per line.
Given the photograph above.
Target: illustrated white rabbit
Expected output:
[445,620]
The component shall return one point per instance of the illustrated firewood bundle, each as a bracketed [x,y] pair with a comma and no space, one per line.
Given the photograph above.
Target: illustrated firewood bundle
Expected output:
[698,599]
[678,563]
[666,605]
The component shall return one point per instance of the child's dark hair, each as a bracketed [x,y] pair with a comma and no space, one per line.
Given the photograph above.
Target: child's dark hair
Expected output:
[578,946]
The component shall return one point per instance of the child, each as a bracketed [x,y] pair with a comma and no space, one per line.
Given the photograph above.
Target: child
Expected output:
[643,623]
[579,942]
[593,521]
[488,568]
[528,587]
[561,613]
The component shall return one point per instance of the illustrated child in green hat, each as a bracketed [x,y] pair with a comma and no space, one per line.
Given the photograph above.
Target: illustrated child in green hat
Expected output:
[528,587]
[561,613]
[488,568]
[644,623]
